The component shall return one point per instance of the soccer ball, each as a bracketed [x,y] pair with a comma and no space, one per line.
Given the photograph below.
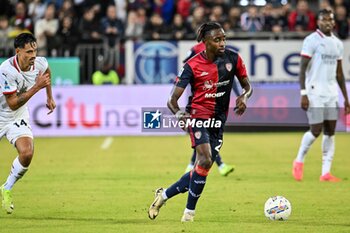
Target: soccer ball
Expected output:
[277,208]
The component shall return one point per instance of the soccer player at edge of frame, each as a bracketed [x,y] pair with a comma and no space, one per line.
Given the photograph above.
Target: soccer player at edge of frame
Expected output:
[224,169]
[320,72]
[215,65]
[21,77]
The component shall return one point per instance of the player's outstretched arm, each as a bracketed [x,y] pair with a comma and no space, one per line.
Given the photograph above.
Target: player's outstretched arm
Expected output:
[17,100]
[50,104]
[342,86]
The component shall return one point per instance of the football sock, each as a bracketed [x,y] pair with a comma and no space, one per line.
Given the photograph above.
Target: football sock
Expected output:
[328,145]
[197,183]
[181,186]
[193,159]
[218,160]
[189,211]
[306,142]
[17,171]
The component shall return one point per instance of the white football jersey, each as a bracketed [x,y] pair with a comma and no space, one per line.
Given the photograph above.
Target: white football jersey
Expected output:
[324,52]
[13,80]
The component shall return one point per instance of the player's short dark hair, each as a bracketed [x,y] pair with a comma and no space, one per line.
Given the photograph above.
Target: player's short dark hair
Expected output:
[325,11]
[205,28]
[22,39]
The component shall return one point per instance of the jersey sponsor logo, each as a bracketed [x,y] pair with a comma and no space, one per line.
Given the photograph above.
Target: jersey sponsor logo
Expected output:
[204,74]
[214,95]
[228,66]
[152,120]
[208,85]
[223,83]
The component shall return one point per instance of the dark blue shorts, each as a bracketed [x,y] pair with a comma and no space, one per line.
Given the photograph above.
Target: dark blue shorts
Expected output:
[211,135]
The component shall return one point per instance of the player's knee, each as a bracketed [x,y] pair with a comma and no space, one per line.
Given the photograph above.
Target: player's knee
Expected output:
[316,132]
[205,162]
[25,156]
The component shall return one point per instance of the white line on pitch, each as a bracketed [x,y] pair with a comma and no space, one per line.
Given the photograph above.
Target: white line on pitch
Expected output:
[107,143]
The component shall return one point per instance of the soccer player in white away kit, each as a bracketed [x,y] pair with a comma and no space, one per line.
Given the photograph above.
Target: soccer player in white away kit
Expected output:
[320,75]
[21,77]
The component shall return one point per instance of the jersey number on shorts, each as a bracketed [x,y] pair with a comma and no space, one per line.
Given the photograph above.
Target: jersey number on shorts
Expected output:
[218,147]
[22,122]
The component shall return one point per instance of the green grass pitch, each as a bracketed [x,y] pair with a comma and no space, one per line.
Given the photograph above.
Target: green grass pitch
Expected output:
[73,185]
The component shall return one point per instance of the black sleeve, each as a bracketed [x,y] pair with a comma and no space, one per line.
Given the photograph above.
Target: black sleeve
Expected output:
[184,77]
[190,55]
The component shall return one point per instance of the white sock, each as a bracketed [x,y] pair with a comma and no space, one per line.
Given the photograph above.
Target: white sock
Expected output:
[17,171]
[328,147]
[189,211]
[222,165]
[305,144]
[164,196]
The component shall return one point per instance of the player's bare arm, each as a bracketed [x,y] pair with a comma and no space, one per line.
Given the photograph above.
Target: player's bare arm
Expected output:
[342,86]
[175,95]
[51,105]
[241,101]
[303,65]
[17,100]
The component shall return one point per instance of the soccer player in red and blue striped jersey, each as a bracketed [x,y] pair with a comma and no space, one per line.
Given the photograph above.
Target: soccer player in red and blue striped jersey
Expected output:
[210,74]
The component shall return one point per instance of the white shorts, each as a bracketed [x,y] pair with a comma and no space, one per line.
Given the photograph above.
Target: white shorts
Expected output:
[16,129]
[322,108]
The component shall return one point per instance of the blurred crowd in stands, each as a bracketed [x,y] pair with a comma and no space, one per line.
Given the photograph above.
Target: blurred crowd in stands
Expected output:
[61,25]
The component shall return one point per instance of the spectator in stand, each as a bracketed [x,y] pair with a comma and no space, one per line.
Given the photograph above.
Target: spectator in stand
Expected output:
[135,25]
[275,20]
[137,4]
[179,29]
[344,3]
[20,21]
[45,32]
[155,29]
[234,19]
[67,9]
[217,14]
[58,3]
[36,10]
[112,27]
[5,41]
[121,6]
[198,18]
[251,21]
[341,22]
[105,76]
[68,37]
[89,27]
[324,4]
[167,10]
[183,8]
[302,19]
[99,7]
